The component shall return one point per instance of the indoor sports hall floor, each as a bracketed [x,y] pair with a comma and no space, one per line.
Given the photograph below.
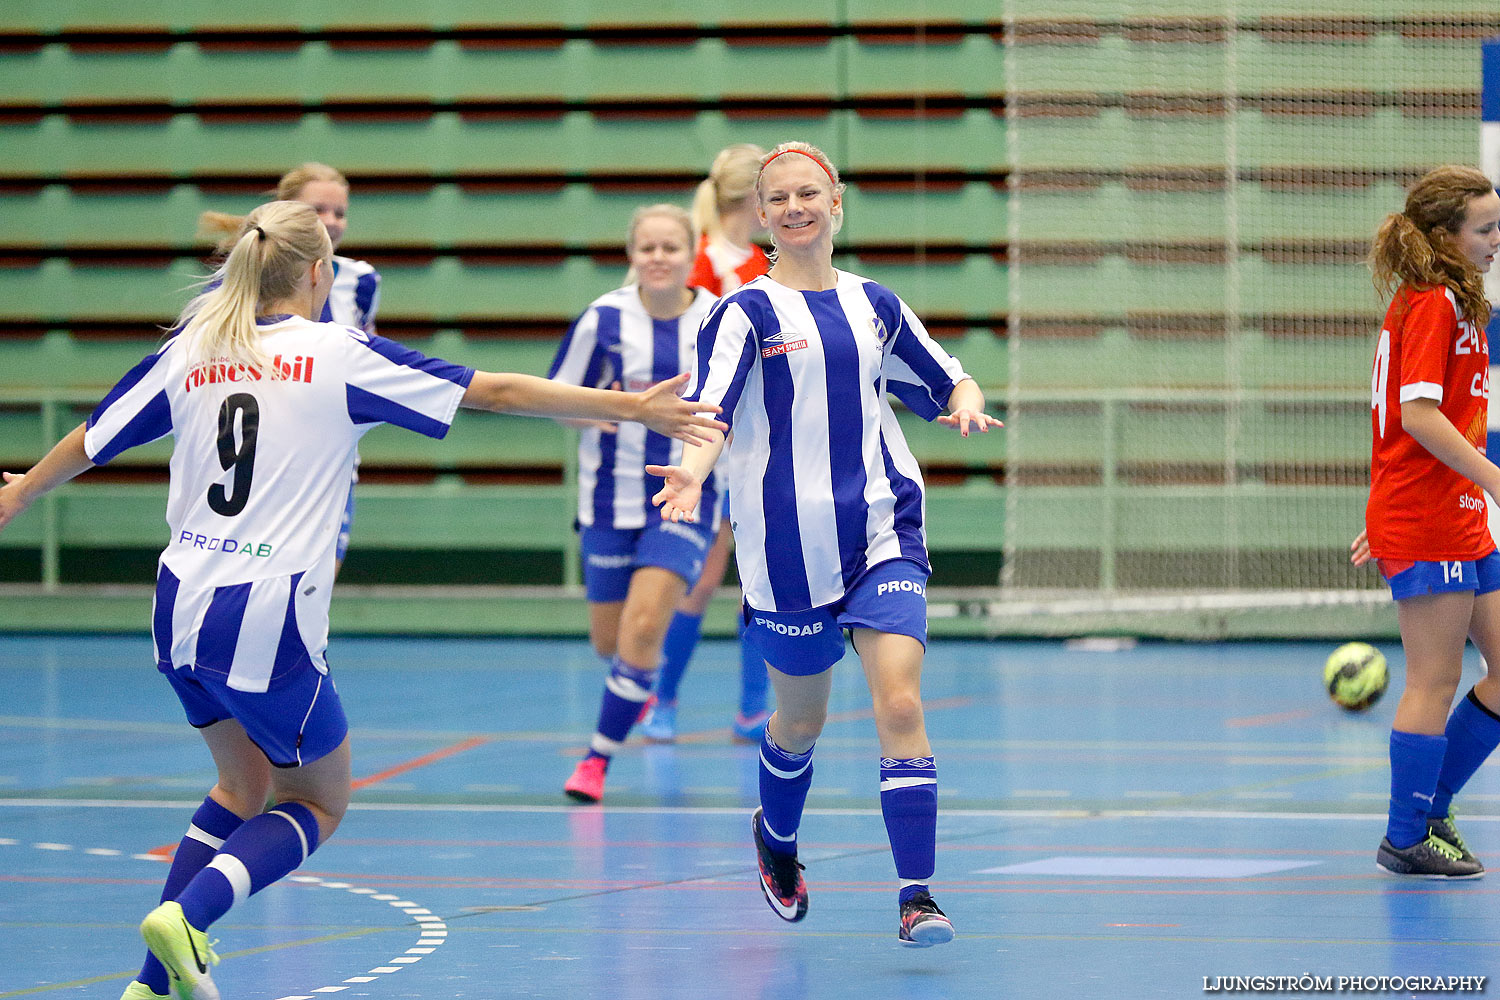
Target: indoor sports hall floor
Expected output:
[1115,824]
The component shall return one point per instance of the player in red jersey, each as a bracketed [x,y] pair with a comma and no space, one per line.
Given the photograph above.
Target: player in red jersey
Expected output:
[1425,522]
[724,214]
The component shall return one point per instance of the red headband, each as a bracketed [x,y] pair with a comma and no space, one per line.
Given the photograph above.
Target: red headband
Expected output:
[819,162]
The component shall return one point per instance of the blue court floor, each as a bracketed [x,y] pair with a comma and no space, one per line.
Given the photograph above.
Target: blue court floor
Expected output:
[1124,823]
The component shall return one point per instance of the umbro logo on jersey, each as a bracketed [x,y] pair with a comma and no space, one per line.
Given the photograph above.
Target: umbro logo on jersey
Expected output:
[777,343]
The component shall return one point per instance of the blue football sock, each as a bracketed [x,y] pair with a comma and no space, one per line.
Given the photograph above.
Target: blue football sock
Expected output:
[784,781]
[676,651]
[1473,733]
[625,691]
[753,679]
[908,801]
[211,826]
[1416,759]
[266,848]
[911,889]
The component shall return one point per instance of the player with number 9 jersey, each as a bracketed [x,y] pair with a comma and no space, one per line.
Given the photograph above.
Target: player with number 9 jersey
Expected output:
[266,406]
[259,478]
[1421,509]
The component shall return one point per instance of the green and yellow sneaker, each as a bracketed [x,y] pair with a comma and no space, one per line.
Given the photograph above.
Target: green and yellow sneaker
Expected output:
[1442,827]
[183,949]
[1430,858]
[138,990]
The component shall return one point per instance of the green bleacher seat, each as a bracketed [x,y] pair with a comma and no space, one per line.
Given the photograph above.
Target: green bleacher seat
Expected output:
[183,15]
[928,214]
[447,214]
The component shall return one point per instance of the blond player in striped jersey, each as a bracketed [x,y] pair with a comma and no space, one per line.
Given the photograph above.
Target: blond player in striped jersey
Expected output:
[265,406]
[827,508]
[353,297]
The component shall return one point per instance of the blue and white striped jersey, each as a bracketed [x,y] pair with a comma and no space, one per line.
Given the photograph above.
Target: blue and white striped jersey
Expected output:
[821,482]
[259,476]
[616,340]
[355,295]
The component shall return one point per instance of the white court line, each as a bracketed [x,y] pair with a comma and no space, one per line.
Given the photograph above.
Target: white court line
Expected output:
[427,941]
[1133,813]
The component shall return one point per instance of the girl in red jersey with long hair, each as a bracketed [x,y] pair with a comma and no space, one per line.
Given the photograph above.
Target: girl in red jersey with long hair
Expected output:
[1425,521]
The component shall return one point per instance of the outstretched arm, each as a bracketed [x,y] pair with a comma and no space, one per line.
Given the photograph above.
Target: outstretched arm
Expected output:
[659,407]
[66,460]
[966,409]
[683,484]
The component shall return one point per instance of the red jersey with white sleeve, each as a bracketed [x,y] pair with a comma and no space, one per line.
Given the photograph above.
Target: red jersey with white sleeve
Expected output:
[721,268]
[1419,508]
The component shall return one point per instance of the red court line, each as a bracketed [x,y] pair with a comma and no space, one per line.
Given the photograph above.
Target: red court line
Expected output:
[1269,720]
[422,761]
[716,734]
[928,705]
[165,851]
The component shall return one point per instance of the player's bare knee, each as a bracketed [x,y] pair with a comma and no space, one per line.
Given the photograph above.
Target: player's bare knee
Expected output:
[899,712]
[795,734]
[243,796]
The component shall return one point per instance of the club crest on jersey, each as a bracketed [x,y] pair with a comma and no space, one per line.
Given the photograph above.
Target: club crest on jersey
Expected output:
[777,343]
[877,327]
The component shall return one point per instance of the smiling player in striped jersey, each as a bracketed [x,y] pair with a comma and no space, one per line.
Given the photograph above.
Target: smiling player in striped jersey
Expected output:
[827,506]
[266,407]
[636,567]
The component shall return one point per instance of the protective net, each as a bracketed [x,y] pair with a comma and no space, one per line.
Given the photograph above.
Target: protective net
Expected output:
[1193,190]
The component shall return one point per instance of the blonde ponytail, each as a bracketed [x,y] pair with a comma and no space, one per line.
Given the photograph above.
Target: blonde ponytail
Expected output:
[267,257]
[731,179]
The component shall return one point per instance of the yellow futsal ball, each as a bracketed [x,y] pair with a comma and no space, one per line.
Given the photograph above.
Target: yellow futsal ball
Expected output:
[1356,676]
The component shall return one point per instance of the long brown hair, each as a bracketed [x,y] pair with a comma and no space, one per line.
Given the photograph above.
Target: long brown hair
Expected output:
[1412,248]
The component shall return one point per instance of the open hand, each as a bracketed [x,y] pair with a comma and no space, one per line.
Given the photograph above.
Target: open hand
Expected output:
[664,411]
[964,418]
[10,497]
[680,492]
